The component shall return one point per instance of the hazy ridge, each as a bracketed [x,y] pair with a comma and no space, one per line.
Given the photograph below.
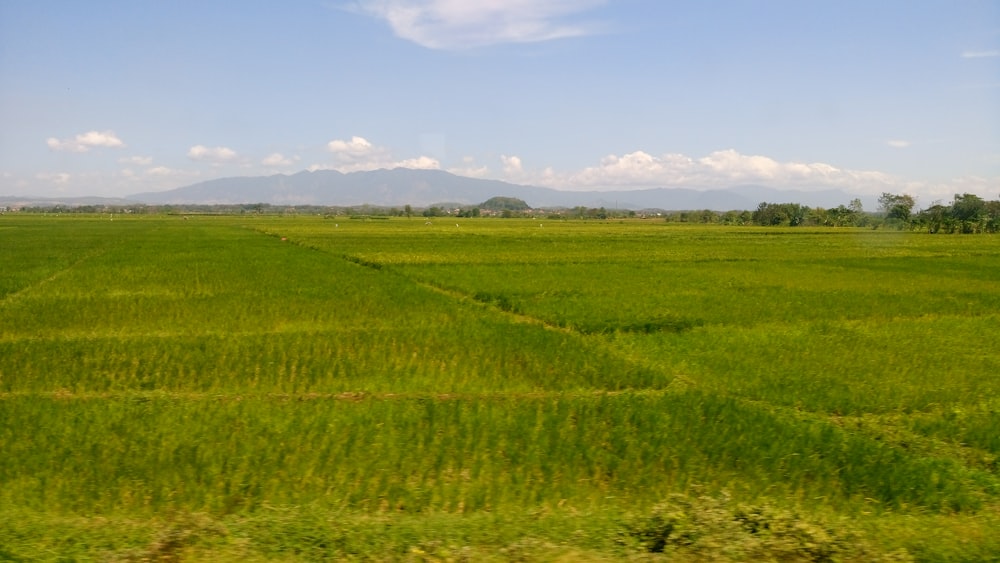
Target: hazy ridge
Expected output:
[402,186]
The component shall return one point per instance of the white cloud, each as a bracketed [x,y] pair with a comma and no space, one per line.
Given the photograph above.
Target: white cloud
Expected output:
[358,154]
[634,169]
[719,169]
[511,165]
[162,171]
[137,160]
[898,143]
[355,148]
[980,54]
[460,24]
[741,167]
[211,154]
[86,141]
[420,163]
[278,159]
[469,169]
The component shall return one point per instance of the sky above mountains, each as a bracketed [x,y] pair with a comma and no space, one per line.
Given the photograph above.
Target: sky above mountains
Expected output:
[111,98]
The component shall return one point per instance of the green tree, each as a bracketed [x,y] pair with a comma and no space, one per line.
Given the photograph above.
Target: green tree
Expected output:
[767,214]
[843,216]
[731,218]
[898,207]
[937,218]
[708,216]
[970,211]
[818,216]
[791,214]
[992,216]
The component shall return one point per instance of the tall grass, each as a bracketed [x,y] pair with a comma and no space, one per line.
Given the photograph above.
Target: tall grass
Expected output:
[148,453]
[470,356]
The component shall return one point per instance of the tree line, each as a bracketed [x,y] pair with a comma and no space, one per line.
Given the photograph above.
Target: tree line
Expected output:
[967,213]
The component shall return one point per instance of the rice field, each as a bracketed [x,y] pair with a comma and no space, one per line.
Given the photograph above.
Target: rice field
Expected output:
[301,388]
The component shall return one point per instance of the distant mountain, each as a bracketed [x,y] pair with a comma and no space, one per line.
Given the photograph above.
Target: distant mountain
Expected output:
[403,186]
[399,186]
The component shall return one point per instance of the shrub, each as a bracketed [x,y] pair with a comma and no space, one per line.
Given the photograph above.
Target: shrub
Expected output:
[711,528]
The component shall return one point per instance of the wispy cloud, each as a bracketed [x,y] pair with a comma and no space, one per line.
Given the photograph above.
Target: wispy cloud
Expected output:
[59,178]
[162,171]
[277,160]
[898,143]
[211,154]
[137,160]
[470,168]
[463,24]
[980,54]
[86,141]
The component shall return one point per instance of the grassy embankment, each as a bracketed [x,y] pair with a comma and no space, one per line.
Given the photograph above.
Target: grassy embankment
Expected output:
[260,388]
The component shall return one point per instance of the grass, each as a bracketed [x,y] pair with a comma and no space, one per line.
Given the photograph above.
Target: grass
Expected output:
[165,452]
[293,388]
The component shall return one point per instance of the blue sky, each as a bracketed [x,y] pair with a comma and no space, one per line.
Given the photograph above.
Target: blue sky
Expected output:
[113,98]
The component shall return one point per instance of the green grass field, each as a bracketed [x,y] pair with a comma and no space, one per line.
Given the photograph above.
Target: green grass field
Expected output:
[291,388]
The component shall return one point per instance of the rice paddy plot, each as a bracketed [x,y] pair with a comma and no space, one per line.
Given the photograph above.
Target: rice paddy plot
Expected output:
[286,373]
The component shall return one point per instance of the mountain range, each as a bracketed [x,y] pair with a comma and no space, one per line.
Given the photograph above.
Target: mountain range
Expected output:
[421,188]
